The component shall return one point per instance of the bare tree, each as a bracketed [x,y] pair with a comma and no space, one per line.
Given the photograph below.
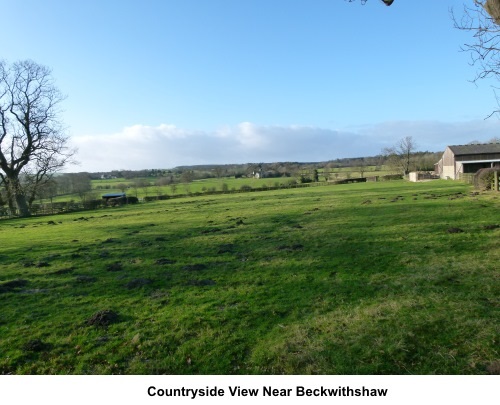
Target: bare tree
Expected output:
[482,18]
[33,143]
[361,167]
[81,185]
[400,156]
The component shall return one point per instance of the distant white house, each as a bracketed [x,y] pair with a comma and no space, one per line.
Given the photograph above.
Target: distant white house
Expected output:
[463,159]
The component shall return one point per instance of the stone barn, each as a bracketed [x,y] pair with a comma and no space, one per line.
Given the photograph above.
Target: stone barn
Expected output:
[467,159]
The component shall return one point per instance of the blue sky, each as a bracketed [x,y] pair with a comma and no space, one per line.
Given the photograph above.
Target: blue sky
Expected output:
[155,84]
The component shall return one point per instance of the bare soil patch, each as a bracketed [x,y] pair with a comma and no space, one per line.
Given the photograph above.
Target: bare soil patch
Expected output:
[117,266]
[13,285]
[454,230]
[103,318]
[138,283]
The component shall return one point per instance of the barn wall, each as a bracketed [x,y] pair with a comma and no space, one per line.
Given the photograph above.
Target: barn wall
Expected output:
[448,157]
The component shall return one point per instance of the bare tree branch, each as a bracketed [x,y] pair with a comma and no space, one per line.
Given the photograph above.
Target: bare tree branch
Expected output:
[33,141]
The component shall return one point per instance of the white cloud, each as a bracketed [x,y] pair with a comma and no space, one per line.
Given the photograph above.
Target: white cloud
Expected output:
[165,146]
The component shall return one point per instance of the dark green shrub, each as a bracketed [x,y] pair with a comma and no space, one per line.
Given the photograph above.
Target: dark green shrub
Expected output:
[483,179]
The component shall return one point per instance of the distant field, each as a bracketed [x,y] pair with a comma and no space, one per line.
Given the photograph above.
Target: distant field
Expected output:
[371,278]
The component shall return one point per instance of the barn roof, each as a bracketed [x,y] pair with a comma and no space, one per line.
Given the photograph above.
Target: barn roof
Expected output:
[114,195]
[475,149]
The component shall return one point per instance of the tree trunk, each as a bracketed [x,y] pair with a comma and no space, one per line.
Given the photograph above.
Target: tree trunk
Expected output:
[22,205]
[16,193]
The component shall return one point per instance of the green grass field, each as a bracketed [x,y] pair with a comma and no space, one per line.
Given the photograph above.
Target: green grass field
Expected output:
[371,278]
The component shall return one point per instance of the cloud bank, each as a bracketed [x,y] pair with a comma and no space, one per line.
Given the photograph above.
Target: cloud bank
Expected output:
[166,146]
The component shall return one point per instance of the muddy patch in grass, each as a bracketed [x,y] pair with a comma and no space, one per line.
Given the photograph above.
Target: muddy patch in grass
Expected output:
[226,248]
[195,267]
[36,345]
[210,230]
[163,261]
[117,266]
[491,227]
[103,318]
[493,368]
[454,230]
[111,240]
[64,271]
[13,285]
[201,283]
[291,248]
[138,283]
[85,279]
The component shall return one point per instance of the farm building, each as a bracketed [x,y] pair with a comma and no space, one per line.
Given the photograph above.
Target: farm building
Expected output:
[467,159]
[113,195]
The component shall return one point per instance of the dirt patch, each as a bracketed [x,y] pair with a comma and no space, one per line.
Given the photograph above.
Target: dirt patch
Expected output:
[85,279]
[9,286]
[225,248]
[160,295]
[201,283]
[493,368]
[64,271]
[103,254]
[454,230]
[117,266]
[103,318]
[491,227]
[111,240]
[291,248]
[164,261]
[35,291]
[210,230]
[138,283]
[36,345]
[195,267]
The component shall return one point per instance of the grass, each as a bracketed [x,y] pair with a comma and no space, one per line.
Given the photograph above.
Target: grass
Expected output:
[357,279]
